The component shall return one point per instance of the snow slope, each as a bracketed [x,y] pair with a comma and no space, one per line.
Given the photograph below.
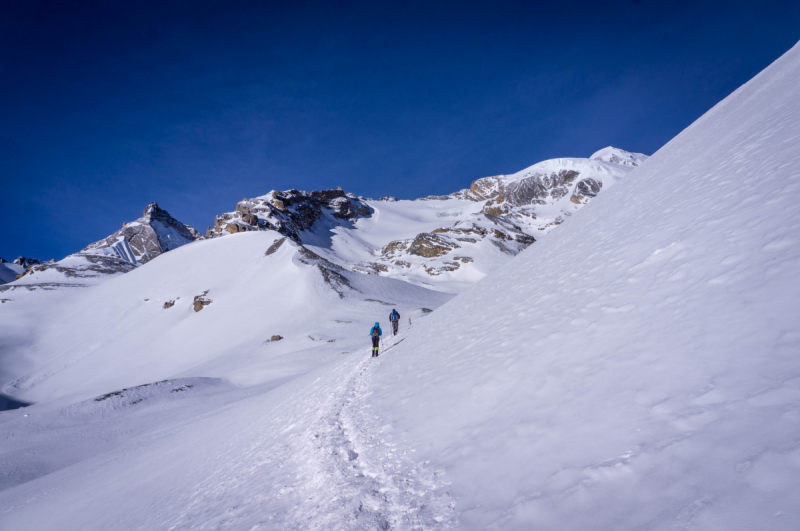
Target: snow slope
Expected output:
[9,271]
[119,333]
[641,370]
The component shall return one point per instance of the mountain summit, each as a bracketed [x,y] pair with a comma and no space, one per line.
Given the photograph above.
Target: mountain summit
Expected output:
[142,240]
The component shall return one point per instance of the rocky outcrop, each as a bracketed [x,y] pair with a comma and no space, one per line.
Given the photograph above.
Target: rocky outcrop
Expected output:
[332,274]
[140,241]
[536,189]
[275,246]
[276,337]
[586,188]
[26,262]
[431,245]
[290,212]
[82,265]
[169,304]
[201,301]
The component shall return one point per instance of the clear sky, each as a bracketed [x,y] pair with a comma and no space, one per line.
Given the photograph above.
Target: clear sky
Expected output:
[106,106]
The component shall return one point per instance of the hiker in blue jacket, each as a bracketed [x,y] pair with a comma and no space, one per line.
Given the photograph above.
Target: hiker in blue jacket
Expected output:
[394,318]
[376,333]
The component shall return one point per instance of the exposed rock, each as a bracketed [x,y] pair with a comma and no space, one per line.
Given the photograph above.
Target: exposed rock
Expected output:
[431,245]
[169,304]
[395,246]
[201,301]
[275,246]
[586,188]
[27,262]
[388,199]
[370,268]
[156,232]
[290,212]
[332,274]
[83,265]
[276,337]
[448,266]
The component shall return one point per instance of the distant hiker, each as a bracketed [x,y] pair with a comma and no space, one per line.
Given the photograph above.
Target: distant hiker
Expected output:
[376,333]
[394,317]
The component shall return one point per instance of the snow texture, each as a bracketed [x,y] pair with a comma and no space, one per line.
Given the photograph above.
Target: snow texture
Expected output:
[640,370]
[635,369]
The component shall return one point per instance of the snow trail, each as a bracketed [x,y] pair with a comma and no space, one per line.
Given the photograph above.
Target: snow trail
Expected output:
[352,475]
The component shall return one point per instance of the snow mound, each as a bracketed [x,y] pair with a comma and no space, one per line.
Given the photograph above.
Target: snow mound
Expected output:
[640,371]
[619,156]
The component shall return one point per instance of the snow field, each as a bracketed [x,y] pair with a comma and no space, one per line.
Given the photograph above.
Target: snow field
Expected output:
[640,370]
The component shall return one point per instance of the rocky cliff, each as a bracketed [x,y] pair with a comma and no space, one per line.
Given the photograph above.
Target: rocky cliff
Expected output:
[142,240]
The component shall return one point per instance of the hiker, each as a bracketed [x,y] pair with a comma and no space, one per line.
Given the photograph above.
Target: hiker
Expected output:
[394,317]
[375,333]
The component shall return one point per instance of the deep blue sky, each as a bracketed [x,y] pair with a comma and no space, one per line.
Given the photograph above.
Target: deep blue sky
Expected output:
[106,106]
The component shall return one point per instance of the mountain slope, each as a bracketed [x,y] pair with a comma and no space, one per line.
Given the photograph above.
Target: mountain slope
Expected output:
[209,308]
[640,371]
[440,242]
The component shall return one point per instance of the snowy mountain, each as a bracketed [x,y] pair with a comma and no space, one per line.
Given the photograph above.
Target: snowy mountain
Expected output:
[138,242]
[26,262]
[9,271]
[634,369]
[441,242]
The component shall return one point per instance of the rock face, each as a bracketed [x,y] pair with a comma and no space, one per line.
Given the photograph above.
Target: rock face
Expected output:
[79,266]
[26,262]
[510,210]
[290,212]
[140,241]
[200,301]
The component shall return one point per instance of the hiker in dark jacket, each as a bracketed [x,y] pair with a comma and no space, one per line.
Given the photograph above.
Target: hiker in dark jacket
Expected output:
[394,317]
[376,333]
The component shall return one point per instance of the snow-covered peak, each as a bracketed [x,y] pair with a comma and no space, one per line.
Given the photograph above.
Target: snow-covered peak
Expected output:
[142,240]
[619,156]
[27,262]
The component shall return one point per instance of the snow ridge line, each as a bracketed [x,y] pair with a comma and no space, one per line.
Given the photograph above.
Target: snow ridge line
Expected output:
[353,477]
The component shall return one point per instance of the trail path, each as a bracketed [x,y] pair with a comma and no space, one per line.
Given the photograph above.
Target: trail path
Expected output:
[352,475]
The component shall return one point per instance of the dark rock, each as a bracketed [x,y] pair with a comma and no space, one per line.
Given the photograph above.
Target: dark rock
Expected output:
[276,337]
[169,304]
[275,246]
[27,262]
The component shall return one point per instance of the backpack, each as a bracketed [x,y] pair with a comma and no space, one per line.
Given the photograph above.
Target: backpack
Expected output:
[375,332]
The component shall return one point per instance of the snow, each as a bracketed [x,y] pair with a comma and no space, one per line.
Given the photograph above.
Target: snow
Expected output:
[9,271]
[639,370]
[619,156]
[635,369]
